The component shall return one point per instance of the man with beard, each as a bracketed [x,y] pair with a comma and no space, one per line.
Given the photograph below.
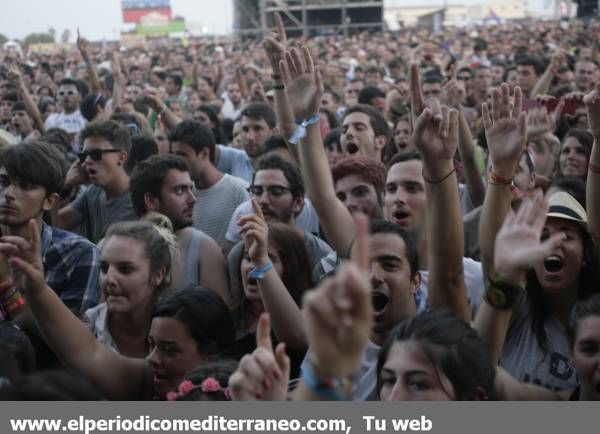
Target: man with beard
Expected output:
[258,124]
[278,188]
[162,183]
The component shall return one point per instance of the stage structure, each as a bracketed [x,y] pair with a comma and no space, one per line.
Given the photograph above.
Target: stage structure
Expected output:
[254,18]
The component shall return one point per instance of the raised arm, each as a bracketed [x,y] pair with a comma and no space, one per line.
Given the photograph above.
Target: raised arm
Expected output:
[518,248]
[119,82]
[545,81]
[118,377]
[83,46]
[436,137]
[286,317]
[506,134]
[274,46]
[592,102]
[339,321]
[31,107]
[305,89]
[169,118]
[455,93]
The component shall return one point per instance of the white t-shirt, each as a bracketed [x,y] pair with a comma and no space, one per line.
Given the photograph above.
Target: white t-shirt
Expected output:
[306,220]
[72,123]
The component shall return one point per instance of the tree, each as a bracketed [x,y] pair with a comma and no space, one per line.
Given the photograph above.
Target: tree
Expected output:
[37,38]
[3,39]
[52,32]
[66,35]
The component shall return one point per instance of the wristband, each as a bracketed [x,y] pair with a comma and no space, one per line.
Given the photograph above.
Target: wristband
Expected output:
[279,87]
[300,132]
[437,181]
[502,294]
[260,272]
[330,388]
[594,168]
[494,179]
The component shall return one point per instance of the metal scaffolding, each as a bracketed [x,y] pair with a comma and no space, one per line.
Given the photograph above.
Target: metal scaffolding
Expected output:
[254,18]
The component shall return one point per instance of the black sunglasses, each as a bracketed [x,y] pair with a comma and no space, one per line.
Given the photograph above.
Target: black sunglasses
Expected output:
[273,190]
[95,154]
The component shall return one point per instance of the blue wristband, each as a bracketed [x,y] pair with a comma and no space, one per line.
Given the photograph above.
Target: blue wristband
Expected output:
[328,388]
[259,273]
[300,132]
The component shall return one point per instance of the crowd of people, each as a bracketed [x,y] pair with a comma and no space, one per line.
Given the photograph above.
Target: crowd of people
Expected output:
[387,216]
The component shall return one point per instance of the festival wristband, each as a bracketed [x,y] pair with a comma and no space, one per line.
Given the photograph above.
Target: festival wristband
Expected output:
[260,272]
[300,132]
[329,388]
[502,294]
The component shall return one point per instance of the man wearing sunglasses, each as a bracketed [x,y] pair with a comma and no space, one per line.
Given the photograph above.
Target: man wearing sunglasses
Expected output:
[106,145]
[69,118]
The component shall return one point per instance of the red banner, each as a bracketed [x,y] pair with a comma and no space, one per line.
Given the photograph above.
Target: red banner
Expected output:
[136,15]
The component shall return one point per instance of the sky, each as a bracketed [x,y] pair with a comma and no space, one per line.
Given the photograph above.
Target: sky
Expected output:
[101,19]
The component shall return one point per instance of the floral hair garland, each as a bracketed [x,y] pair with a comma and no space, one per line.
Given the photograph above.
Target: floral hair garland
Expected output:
[208,385]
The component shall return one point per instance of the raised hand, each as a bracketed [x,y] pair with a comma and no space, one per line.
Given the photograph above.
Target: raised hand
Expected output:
[83,46]
[454,90]
[153,101]
[303,82]
[275,44]
[518,247]
[592,103]
[255,231]
[505,130]
[265,373]
[435,130]
[339,313]
[540,121]
[25,259]
[14,74]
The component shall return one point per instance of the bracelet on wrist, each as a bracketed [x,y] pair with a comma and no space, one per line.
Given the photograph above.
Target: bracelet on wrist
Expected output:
[300,132]
[495,179]
[328,388]
[501,293]
[259,273]
[594,168]
[279,87]
[437,181]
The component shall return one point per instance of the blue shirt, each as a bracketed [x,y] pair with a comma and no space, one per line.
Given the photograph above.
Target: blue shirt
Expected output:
[71,268]
[235,162]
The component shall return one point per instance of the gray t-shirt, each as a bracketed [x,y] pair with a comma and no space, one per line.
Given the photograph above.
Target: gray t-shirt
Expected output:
[235,162]
[99,212]
[215,206]
[524,358]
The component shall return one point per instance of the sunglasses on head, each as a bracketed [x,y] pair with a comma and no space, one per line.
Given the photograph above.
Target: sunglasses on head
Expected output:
[68,92]
[273,190]
[95,154]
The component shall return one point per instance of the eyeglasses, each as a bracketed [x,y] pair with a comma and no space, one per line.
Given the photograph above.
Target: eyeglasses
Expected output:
[464,77]
[95,154]
[68,92]
[273,190]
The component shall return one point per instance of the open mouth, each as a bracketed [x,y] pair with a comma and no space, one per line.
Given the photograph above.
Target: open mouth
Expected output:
[401,215]
[380,302]
[553,264]
[352,148]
